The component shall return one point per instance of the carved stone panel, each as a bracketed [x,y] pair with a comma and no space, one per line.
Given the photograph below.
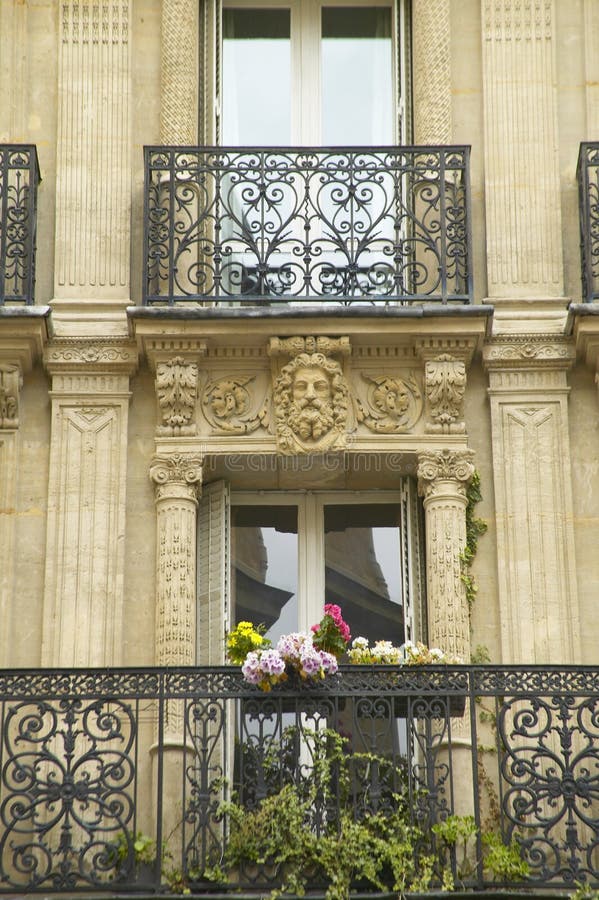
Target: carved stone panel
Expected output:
[393,404]
[10,382]
[445,386]
[229,404]
[176,390]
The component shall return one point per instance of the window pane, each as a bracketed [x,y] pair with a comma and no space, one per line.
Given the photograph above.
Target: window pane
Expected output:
[256,77]
[362,568]
[357,75]
[264,567]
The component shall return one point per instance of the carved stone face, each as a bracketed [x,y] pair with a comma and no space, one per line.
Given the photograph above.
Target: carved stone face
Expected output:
[391,398]
[311,402]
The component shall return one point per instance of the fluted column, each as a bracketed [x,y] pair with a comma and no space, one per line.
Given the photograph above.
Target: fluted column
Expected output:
[177,479]
[443,478]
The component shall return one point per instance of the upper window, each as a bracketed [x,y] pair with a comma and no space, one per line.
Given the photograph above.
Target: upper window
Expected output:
[309,73]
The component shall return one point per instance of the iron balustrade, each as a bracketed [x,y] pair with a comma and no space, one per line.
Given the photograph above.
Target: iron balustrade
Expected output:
[19,178]
[93,759]
[587,174]
[282,225]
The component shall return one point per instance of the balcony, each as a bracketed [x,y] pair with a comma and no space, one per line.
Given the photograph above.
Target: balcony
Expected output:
[99,768]
[252,227]
[19,178]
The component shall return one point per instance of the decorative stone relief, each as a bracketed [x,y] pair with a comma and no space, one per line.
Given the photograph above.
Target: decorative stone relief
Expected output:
[540,350]
[176,390]
[431,33]
[310,395]
[72,350]
[445,386]
[10,383]
[228,404]
[179,72]
[394,404]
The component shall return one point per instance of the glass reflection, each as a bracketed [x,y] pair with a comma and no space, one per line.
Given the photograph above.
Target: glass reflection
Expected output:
[264,567]
[357,76]
[256,77]
[362,568]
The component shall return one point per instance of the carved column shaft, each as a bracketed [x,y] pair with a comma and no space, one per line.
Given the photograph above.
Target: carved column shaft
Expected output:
[179,72]
[443,478]
[10,383]
[177,479]
[432,72]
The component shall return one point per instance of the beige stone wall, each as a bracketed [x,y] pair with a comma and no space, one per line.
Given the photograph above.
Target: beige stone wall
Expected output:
[555,76]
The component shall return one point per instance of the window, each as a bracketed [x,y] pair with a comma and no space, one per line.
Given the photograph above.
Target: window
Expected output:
[277,557]
[309,73]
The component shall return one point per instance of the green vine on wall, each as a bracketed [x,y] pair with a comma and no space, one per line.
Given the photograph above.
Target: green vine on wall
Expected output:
[475,527]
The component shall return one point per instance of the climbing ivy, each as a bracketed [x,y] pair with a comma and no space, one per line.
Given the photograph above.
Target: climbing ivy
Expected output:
[475,527]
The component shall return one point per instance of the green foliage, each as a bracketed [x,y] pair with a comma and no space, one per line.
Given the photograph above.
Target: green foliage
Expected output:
[504,861]
[584,892]
[475,527]
[143,846]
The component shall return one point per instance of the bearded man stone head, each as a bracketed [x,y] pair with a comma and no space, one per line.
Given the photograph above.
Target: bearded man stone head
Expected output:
[311,403]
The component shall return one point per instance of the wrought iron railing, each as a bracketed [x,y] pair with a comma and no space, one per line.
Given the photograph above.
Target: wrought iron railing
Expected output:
[587,174]
[19,178]
[283,225]
[99,768]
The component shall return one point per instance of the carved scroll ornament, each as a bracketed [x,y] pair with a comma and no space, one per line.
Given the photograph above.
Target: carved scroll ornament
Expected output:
[179,474]
[227,405]
[394,404]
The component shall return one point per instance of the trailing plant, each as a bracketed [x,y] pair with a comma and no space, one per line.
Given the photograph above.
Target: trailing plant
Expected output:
[475,527]
[457,850]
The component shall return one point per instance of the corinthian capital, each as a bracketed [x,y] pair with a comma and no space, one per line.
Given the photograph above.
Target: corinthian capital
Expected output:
[177,474]
[435,466]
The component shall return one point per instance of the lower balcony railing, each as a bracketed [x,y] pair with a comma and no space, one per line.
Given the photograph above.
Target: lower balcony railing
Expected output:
[376,779]
[232,225]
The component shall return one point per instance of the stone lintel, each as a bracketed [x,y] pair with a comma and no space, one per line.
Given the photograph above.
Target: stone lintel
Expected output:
[163,330]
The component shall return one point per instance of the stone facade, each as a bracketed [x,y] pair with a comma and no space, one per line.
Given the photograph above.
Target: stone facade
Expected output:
[114,421]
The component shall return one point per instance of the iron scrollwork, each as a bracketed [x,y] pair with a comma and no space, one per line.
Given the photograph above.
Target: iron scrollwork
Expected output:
[385,224]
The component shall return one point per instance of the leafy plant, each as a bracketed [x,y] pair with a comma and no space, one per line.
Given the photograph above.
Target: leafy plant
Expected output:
[475,527]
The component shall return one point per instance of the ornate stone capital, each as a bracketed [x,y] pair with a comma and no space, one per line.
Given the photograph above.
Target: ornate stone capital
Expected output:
[445,386]
[176,391]
[10,384]
[177,475]
[437,466]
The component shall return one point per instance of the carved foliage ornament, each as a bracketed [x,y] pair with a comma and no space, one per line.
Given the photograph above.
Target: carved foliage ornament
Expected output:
[10,382]
[444,465]
[227,405]
[311,400]
[445,386]
[394,404]
[176,390]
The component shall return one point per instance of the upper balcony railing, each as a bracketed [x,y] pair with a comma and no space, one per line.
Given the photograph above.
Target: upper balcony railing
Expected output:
[113,780]
[19,178]
[282,225]
[588,199]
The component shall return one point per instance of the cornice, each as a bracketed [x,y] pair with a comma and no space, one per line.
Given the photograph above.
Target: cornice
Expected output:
[529,351]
